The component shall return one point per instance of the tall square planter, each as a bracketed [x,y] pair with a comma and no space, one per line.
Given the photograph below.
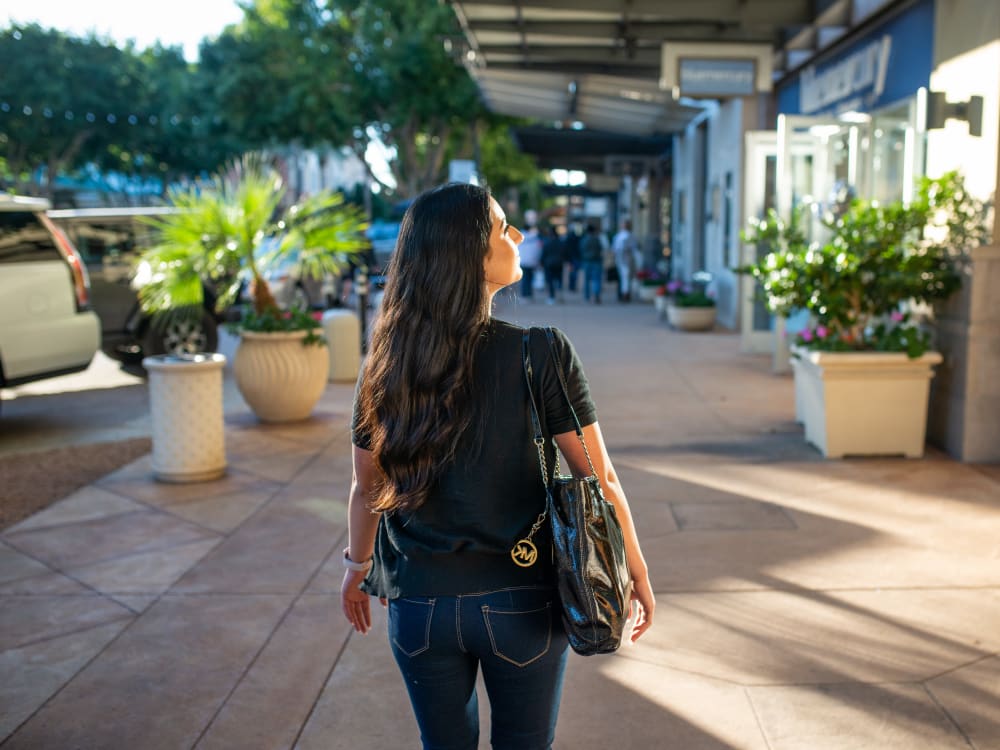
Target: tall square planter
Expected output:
[863,403]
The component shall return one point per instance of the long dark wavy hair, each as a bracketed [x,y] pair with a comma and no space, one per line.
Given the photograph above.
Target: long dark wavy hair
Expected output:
[415,399]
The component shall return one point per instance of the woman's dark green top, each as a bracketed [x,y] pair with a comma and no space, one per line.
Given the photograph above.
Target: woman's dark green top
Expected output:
[459,540]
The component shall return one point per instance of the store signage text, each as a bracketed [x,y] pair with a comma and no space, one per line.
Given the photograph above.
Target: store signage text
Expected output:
[716,77]
[860,72]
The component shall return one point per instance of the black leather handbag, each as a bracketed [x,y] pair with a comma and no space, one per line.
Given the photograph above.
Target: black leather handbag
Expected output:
[594,585]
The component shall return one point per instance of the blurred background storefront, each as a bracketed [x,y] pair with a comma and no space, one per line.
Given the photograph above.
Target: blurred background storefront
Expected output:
[745,106]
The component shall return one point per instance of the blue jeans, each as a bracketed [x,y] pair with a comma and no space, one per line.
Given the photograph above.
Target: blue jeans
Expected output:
[514,634]
[592,272]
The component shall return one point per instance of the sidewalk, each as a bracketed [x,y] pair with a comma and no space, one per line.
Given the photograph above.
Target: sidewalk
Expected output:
[803,604]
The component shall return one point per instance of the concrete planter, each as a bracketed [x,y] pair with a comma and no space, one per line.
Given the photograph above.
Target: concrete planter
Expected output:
[278,376]
[647,293]
[185,397]
[691,318]
[863,403]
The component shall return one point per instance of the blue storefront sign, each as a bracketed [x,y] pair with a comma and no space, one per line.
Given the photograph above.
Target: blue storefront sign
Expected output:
[885,65]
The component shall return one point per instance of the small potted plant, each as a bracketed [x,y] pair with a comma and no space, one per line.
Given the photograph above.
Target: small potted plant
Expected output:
[281,364]
[863,363]
[690,305]
[649,283]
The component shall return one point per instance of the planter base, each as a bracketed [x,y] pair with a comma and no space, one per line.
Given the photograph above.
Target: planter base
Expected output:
[863,403]
[691,318]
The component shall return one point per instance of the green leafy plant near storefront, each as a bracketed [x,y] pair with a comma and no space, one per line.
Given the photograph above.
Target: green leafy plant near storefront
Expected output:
[880,261]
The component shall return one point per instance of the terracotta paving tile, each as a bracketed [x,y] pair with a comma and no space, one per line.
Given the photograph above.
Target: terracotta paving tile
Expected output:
[30,619]
[221,513]
[162,680]
[87,542]
[30,675]
[86,504]
[851,716]
[727,516]
[971,695]
[148,573]
[261,558]
[813,637]
[146,489]
[343,717]
[275,697]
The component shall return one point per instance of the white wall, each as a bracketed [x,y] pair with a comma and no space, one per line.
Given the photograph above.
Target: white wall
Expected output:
[725,148]
[964,413]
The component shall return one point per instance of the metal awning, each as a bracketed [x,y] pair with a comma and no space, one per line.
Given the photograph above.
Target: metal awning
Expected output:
[597,62]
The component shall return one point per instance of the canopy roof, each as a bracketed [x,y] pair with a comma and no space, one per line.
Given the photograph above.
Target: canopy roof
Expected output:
[597,62]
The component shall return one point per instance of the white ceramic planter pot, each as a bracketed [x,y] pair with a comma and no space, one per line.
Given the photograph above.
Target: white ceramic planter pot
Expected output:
[691,318]
[278,376]
[185,399]
[863,403]
[646,293]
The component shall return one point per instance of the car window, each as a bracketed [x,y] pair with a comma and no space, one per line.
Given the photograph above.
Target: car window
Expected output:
[23,239]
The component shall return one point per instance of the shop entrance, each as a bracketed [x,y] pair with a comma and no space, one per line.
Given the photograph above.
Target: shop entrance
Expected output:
[818,165]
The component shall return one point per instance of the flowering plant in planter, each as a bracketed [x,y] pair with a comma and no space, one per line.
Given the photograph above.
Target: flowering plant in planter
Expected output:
[860,285]
[683,294]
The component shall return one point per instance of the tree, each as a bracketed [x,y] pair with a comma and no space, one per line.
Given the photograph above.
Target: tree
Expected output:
[405,89]
[62,99]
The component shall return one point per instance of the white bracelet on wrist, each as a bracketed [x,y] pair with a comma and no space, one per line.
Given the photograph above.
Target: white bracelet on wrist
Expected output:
[360,567]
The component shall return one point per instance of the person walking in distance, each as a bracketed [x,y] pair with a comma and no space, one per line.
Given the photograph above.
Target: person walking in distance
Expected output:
[553,261]
[446,480]
[624,248]
[571,253]
[531,258]
[591,254]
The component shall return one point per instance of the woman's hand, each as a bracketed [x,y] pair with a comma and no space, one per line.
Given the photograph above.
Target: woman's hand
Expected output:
[643,603]
[355,602]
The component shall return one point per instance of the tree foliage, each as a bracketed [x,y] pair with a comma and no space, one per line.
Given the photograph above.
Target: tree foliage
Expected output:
[301,73]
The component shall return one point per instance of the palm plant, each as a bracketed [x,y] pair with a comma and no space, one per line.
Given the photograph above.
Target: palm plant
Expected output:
[212,238]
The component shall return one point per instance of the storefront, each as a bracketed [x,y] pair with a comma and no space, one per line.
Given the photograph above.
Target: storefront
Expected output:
[851,124]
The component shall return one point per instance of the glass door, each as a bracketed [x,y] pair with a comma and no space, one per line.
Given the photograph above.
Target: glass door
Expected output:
[760,194]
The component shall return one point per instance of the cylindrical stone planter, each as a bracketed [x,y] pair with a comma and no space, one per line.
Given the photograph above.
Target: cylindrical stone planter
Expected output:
[342,330]
[185,397]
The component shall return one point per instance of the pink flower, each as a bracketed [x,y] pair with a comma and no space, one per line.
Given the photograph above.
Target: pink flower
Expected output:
[806,335]
[897,316]
[821,332]
[675,286]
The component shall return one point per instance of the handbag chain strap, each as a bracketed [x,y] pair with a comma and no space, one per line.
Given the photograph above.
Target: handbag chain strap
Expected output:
[524,553]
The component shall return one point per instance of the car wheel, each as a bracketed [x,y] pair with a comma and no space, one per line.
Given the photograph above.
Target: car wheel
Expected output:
[183,336]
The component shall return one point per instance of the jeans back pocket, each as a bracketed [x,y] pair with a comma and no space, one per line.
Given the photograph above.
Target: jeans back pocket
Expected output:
[410,624]
[519,636]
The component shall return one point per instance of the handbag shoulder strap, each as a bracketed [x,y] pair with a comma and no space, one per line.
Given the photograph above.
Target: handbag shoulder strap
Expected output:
[529,376]
[557,363]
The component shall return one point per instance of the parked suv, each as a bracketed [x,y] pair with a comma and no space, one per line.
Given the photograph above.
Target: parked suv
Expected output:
[110,240]
[46,325]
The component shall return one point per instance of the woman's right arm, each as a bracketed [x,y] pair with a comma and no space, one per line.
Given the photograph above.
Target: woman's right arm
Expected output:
[361,527]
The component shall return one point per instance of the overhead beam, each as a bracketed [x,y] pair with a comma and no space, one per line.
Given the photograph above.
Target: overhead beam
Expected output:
[783,12]
[697,30]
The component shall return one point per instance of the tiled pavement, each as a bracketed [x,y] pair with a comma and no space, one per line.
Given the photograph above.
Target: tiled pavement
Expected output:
[803,604]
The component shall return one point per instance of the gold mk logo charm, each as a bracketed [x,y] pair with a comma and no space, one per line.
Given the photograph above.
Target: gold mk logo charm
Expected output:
[524,553]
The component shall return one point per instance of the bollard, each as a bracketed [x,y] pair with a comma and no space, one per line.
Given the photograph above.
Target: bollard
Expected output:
[185,396]
[343,332]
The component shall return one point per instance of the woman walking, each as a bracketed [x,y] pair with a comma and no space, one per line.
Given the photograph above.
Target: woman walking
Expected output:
[446,480]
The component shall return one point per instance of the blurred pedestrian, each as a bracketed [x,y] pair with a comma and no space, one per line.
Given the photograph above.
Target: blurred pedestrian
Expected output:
[553,260]
[443,485]
[531,258]
[625,249]
[591,255]
[571,252]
